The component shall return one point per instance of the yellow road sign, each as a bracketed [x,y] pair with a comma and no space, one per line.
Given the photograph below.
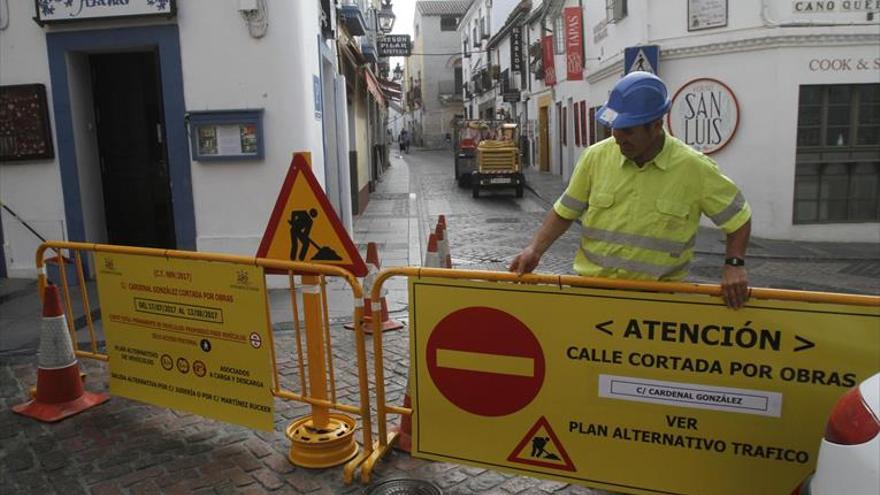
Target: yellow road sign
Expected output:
[304,226]
[190,335]
[631,391]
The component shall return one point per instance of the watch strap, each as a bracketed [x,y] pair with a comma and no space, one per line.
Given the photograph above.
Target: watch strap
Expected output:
[734,261]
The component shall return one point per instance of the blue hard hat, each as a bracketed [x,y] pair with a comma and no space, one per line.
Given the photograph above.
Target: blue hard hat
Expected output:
[638,98]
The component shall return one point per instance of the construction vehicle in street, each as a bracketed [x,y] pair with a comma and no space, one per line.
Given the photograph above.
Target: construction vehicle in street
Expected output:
[466,136]
[498,162]
[487,156]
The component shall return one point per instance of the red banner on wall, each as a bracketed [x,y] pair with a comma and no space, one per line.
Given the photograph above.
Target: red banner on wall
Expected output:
[549,65]
[574,43]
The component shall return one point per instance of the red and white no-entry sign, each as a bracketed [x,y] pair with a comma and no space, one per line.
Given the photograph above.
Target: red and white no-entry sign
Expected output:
[485,361]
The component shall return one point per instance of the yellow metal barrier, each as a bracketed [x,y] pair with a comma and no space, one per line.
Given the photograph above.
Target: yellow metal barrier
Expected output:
[312,445]
[385,439]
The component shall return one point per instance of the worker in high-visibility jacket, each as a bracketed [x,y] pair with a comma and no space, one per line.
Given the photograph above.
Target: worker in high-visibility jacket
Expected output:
[639,195]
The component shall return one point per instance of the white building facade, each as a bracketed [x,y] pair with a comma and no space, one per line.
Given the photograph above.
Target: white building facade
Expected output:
[783,94]
[172,130]
[434,71]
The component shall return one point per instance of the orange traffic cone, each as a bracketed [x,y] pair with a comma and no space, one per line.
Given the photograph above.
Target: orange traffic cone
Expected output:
[432,256]
[381,307]
[60,392]
[404,429]
[443,246]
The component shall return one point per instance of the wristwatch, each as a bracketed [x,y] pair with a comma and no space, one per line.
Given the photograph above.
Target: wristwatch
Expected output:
[734,261]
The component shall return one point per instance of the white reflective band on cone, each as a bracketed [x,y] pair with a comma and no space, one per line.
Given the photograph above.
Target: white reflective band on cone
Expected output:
[370,279]
[442,250]
[376,306]
[432,260]
[56,350]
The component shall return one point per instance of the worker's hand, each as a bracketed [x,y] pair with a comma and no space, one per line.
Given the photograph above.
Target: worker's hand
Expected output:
[525,262]
[734,286]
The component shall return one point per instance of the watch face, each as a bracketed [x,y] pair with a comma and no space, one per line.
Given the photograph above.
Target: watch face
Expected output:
[735,261]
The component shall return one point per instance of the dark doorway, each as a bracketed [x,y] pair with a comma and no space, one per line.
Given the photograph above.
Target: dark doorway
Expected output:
[131,145]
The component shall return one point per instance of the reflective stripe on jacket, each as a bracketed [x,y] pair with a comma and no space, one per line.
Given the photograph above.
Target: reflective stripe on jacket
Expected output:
[641,223]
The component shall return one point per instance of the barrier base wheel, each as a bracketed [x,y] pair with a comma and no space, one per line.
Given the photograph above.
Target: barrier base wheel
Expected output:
[313,447]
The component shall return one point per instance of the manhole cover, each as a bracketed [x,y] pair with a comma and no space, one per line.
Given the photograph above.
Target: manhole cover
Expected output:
[404,487]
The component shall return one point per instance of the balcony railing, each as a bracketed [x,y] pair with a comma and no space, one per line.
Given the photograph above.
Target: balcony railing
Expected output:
[448,92]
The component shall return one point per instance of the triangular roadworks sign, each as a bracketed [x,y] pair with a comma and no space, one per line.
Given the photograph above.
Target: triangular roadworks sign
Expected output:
[541,447]
[304,227]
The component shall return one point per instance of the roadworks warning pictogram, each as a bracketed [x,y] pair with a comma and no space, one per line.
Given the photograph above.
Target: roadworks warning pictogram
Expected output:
[541,447]
[304,226]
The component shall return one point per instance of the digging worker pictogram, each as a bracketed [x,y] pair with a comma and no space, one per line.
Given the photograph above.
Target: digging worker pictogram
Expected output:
[638,197]
[301,222]
[538,444]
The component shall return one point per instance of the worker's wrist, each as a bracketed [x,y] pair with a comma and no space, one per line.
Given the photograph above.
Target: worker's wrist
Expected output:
[734,261]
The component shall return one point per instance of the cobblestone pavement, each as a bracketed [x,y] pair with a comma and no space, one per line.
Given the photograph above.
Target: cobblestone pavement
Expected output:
[128,447]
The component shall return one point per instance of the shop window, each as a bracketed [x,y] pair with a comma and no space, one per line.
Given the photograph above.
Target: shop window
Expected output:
[837,176]
[583,106]
[577,125]
[565,126]
[839,115]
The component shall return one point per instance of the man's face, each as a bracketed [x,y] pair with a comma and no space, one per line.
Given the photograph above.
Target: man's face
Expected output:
[636,142]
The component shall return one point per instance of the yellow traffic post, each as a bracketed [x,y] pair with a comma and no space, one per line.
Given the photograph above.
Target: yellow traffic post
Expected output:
[322,439]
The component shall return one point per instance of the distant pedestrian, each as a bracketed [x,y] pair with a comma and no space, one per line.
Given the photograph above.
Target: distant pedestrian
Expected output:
[403,141]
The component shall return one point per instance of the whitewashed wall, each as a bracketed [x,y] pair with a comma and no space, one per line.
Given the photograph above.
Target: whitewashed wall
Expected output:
[31,188]
[764,54]
[224,68]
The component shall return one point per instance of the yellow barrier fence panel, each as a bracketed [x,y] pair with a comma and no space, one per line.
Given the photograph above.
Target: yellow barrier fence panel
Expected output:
[189,335]
[631,391]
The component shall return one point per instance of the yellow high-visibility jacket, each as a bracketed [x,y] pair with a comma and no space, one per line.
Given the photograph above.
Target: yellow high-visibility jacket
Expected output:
[641,223]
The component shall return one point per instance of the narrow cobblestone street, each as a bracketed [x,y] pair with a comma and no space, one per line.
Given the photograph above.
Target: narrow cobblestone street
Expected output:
[134,448]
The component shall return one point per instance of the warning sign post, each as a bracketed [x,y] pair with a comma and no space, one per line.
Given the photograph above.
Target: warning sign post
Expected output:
[630,391]
[189,335]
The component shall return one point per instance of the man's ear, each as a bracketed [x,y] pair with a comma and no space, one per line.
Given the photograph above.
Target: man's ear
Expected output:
[657,126]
